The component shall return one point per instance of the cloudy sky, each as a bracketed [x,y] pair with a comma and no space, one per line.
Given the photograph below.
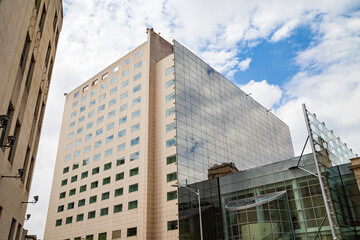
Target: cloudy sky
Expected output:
[285,53]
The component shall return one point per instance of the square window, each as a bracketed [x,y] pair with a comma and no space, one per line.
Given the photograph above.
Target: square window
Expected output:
[68,220]
[72,191]
[92,199]
[169,70]
[137,88]
[118,192]
[64,182]
[99,131]
[170,126]
[67,158]
[79,130]
[92,103]
[123,107]
[114,79]
[78,142]
[109,139]
[121,147]
[134,156]
[125,83]
[60,208]
[108,152]
[105,196]
[94,82]
[102,236]
[170,142]
[86,161]
[137,76]
[111,114]
[76,94]
[93,92]
[172,225]
[126,72]
[133,188]
[136,101]
[113,90]
[90,114]
[172,195]
[137,65]
[62,195]
[75,104]
[135,127]
[95,170]
[124,95]
[81,119]
[98,144]
[102,97]
[119,176]
[58,222]
[171,177]
[101,108]
[169,83]
[170,111]
[84,97]
[73,114]
[107,166]
[115,69]
[106,180]
[122,133]
[70,205]
[77,154]
[112,102]
[135,141]
[96,157]
[171,159]
[94,184]
[117,208]
[82,108]
[87,149]
[110,126]
[120,161]
[126,62]
[136,114]
[90,216]
[71,135]
[83,188]
[122,120]
[74,178]
[100,119]
[84,174]
[81,202]
[170,97]
[79,217]
[66,169]
[132,205]
[104,76]
[134,171]
[138,54]
[88,137]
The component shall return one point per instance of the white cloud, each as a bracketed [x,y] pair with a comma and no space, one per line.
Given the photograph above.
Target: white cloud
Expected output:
[266,94]
[244,64]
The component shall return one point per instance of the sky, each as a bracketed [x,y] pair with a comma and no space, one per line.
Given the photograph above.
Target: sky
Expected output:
[284,53]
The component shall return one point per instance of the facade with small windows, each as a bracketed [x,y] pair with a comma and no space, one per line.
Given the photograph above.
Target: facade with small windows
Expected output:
[123,138]
[29,33]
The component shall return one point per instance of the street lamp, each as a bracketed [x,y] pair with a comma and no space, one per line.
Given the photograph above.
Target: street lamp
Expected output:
[178,185]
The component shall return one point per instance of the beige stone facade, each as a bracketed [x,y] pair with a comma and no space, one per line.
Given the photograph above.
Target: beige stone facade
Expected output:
[110,178]
[29,32]
[355,166]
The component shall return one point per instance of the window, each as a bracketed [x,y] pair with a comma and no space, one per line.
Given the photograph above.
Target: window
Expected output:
[88,137]
[72,191]
[86,161]
[136,101]
[93,92]
[172,195]
[100,119]
[78,142]
[132,205]
[115,69]
[105,195]
[82,108]
[126,72]
[75,104]
[123,107]
[169,70]
[70,205]
[122,133]
[84,98]
[138,54]
[135,127]
[76,94]
[137,65]
[72,124]
[137,76]
[79,218]
[70,135]
[117,208]
[99,131]
[73,114]
[170,111]
[102,97]
[121,147]
[87,149]
[172,225]
[81,202]
[84,174]
[25,51]
[137,88]
[118,192]
[169,83]
[102,236]
[104,76]
[170,126]
[81,119]
[136,114]
[133,188]
[112,102]
[126,62]
[92,103]
[171,159]
[171,177]
[67,157]
[106,180]
[114,79]
[64,182]
[69,146]
[96,157]
[124,95]
[66,169]
[171,142]
[92,199]
[170,97]
[98,144]
[135,141]
[101,108]
[90,237]
[113,90]
[90,216]
[134,171]
[107,166]
[124,84]
[95,170]
[109,139]
[111,114]
[90,114]
[83,188]
[131,232]
[134,156]
[74,178]
[60,208]
[62,195]
[94,184]
[58,222]
[110,126]
[77,154]
[120,161]
[122,120]
[119,176]
[108,152]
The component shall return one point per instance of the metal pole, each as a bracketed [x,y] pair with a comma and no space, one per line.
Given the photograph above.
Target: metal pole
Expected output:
[327,207]
[201,231]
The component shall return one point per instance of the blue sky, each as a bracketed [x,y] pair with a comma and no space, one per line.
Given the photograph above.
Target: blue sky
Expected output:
[285,53]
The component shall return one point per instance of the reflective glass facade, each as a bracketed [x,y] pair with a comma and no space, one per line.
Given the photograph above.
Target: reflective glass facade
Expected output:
[216,122]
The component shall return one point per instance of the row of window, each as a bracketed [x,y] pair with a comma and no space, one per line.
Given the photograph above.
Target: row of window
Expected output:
[115,235]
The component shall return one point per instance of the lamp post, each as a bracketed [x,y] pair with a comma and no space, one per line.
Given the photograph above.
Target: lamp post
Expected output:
[177,185]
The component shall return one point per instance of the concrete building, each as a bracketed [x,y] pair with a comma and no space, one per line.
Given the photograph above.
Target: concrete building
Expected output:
[29,32]
[156,116]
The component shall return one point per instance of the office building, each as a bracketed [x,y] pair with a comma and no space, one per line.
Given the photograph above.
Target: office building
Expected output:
[156,116]
[29,32]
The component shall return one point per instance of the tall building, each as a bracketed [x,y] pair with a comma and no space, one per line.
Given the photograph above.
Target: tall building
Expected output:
[156,116]
[29,32]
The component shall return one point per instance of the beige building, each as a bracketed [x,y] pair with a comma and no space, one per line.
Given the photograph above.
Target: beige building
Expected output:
[123,143]
[29,32]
